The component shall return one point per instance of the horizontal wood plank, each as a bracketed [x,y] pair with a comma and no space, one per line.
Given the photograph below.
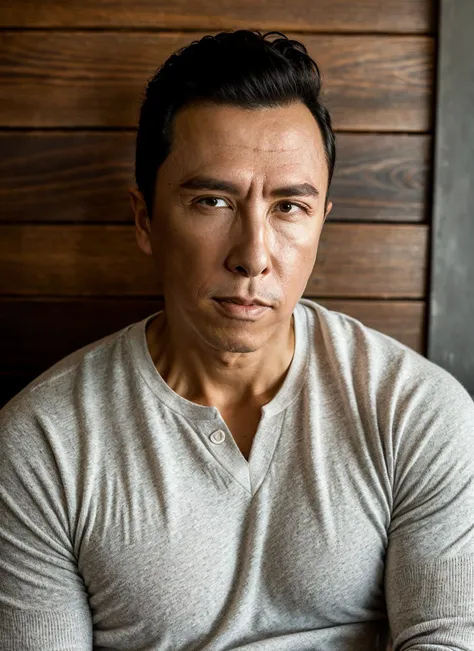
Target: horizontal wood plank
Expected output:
[65,325]
[84,177]
[371,260]
[62,326]
[382,177]
[402,320]
[97,79]
[354,260]
[405,16]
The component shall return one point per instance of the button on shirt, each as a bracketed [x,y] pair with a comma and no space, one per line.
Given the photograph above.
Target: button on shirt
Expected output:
[218,437]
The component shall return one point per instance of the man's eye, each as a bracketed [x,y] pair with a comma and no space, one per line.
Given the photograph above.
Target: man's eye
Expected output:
[212,202]
[286,206]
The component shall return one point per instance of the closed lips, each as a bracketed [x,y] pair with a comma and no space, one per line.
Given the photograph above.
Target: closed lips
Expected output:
[242,301]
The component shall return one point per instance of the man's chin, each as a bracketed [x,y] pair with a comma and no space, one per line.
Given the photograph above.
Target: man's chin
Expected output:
[232,339]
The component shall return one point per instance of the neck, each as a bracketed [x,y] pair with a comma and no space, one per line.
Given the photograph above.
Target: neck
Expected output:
[204,375]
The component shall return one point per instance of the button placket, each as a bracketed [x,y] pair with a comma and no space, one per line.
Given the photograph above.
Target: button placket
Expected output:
[219,442]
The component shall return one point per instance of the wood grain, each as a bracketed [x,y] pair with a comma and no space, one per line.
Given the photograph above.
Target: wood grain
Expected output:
[407,16]
[97,79]
[402,320]
[84,176]
[354,260]
[65,325]
[371,261]
[382,177]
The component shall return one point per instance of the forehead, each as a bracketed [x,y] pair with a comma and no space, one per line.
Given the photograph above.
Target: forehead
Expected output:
[269,140]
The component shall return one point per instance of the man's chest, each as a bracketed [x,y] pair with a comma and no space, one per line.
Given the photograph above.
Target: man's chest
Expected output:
[180,553]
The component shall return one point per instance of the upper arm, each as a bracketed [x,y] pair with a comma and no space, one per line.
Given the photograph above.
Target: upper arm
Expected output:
[43,601]
[429,576]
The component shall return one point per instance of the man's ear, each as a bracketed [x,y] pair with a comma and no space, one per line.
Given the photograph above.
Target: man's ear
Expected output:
[328,209]
[142,221]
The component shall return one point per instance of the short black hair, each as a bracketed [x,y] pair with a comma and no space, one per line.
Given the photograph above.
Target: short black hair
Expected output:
[242,68]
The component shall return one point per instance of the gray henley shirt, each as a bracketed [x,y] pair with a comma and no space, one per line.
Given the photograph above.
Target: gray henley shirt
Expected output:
[129,518]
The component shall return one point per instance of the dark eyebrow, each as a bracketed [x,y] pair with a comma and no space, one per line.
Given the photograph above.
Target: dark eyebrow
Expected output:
[299,190]
[207,183]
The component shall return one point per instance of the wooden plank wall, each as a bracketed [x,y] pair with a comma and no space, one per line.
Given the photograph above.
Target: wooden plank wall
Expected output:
[71,78]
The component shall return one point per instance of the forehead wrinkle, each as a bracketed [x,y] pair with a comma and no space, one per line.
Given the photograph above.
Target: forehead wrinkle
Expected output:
[265,149]
[251,174]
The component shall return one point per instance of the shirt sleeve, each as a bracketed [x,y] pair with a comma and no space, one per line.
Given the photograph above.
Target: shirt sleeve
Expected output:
[43,601]
[429,571]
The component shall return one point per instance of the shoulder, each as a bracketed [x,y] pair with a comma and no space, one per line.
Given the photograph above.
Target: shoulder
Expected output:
[371,361]
[342,331]
[57,392]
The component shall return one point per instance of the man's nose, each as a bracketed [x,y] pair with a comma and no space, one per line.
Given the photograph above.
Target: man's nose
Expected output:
[249,252]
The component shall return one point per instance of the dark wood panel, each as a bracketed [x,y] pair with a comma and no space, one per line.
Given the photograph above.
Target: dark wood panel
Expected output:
[402,320]
[62,326]
[371,260]
[382,177]
[354,260]
[64,79]
[407,16]
[84,176]
[69,177]
[37,333]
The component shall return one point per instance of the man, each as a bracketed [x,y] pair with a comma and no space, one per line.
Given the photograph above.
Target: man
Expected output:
[245,469]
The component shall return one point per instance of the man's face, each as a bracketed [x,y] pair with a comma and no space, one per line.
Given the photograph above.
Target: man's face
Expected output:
[238,211]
